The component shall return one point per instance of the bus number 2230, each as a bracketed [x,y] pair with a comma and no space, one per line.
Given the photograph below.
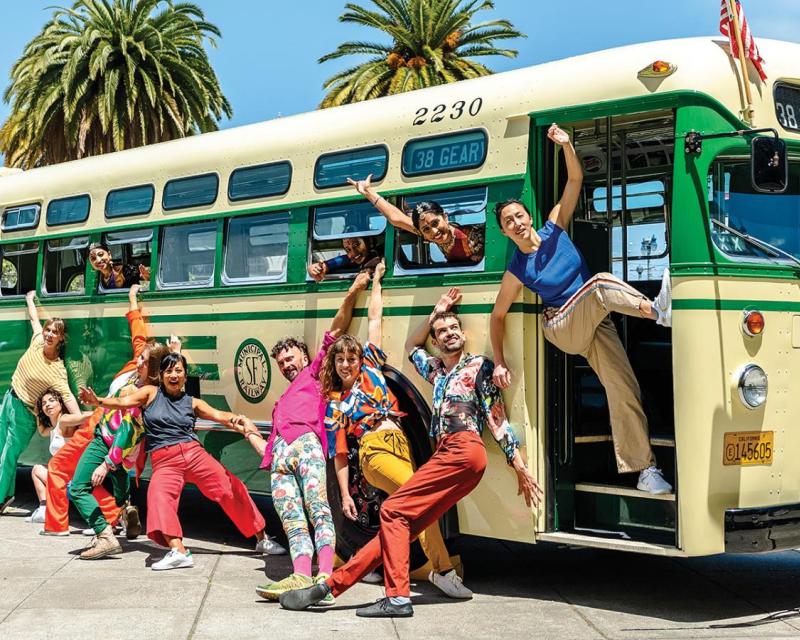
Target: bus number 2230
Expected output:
[442,111]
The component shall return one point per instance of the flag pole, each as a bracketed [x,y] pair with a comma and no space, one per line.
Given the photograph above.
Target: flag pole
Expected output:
[748,113]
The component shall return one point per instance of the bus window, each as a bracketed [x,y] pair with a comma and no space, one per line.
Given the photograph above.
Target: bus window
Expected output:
[346,237]
[19,268]
[186,255]
[466,211]
[333,169]
[195,191]
[130,201]
[128,248]
[65,265]
[260,181]
[22,217]
[768,217]
[68,210]
[256,249]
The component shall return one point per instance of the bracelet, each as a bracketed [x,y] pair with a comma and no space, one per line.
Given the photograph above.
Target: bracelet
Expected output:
[375,201]
[253,433]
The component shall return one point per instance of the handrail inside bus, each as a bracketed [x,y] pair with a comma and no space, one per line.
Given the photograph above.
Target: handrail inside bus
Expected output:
[264,426]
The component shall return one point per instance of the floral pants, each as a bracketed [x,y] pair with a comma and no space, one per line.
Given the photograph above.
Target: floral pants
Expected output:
[299,486]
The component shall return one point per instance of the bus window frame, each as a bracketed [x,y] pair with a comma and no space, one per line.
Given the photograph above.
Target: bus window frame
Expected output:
[46,249]
[33,251]
[376,179]
[130,215]
[160,285]
[777,85]
[104,239]
[21,227]
[482,130]
[75,197]
[227,281]
[190,177]
[288,163]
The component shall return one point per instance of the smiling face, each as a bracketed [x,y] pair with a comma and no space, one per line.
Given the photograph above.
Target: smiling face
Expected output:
[100,259]
[51,407]
[53,334]
[356,249]
[448,336]
[174,378]
[516,223]
[291,361]
[435,228]
[348,366]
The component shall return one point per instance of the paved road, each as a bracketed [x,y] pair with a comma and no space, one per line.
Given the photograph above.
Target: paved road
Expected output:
[520,592]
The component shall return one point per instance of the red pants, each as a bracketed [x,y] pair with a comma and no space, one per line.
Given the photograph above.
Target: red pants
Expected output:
[178,464]
[60,470]
[452,472]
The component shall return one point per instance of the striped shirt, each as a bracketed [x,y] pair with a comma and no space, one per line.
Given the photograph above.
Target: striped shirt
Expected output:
[35,374]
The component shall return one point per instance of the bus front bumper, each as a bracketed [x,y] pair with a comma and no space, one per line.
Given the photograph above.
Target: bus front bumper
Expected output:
[762,529]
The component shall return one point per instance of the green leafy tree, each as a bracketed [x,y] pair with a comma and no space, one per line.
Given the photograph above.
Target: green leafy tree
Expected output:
[432,42]
[108,75]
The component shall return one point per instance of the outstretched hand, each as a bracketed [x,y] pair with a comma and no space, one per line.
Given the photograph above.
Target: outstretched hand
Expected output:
[360,282]
[317,271]
[144,272]
[558,135]
[380,270]
[30,296]
[362,186]
[528,487]
[448,300]
[88,397]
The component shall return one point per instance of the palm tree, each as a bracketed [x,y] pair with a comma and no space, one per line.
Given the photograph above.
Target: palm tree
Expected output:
[108,75]
[432,41]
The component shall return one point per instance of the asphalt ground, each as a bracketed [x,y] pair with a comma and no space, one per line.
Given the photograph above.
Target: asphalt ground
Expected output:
[521,591]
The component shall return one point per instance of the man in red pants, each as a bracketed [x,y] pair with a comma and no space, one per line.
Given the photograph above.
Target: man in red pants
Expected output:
[465,400]
[62,466]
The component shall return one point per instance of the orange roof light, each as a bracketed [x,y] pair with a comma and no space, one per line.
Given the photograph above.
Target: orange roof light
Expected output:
[753,323]
[658,69]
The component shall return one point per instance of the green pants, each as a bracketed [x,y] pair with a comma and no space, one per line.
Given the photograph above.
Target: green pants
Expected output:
[17,426]
[81,487]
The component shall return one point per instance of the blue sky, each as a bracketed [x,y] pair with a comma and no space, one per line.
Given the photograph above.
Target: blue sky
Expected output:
[267,57]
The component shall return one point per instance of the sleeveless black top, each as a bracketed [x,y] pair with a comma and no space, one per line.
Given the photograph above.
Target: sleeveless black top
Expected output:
[168,421]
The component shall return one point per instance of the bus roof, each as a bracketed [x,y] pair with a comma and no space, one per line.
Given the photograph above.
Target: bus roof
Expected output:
[703,65]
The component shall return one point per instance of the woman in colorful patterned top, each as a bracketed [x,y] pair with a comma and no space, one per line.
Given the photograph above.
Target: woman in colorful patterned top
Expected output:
[429,220]
[362,406]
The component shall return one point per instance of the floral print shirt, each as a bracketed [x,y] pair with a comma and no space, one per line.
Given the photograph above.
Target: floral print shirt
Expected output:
[357,411]
[466,398]
[123,432]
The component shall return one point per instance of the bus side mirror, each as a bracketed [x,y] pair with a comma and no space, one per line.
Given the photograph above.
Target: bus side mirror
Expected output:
[770,169]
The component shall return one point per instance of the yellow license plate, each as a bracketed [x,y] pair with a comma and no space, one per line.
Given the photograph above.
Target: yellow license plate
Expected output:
[748,448]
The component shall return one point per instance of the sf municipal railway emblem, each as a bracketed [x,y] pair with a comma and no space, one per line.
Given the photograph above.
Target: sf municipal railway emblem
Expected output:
[251,370]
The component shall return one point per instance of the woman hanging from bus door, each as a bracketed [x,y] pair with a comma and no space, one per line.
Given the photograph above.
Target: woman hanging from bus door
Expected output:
[429,220]
[56,423]
[40,368]
[169,415]
[360,404]
[112,275]
[576,309]
[62,466]
[359,253]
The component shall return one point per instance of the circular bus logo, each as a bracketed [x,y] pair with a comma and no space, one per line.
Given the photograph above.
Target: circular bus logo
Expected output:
[252,371]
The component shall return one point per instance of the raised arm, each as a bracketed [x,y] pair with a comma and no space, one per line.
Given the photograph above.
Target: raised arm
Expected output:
[140,398]
[33,312]
[345,313]
[419,335]
[375,312]
[70,422]
[509,290]
[393,215]
[561,214]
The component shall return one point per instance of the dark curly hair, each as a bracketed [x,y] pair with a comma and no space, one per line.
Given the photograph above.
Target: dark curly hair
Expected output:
[421,208]
[329,380]
[44,419]
[443,315]
[288,343]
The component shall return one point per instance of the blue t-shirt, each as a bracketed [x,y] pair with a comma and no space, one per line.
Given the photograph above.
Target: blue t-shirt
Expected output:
[555,271]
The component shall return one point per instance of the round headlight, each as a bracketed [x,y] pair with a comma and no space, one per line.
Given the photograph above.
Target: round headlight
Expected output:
[752,386]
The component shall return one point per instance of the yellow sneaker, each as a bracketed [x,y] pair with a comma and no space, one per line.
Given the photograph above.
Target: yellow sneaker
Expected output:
[290,583]
[328,600]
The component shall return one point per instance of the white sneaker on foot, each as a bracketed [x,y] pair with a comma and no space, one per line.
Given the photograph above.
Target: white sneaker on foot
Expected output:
[450,584]
[37,516]
[270,547]
[174,560]
[652,481]
[373,577]
[663,302]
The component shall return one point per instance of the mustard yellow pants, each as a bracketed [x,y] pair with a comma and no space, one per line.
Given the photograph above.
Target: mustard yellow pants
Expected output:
[385,460]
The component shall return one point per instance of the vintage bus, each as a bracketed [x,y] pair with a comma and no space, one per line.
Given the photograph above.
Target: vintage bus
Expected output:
[229,222]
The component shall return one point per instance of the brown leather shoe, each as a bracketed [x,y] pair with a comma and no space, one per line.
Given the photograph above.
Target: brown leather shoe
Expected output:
[133,524]
[105,544]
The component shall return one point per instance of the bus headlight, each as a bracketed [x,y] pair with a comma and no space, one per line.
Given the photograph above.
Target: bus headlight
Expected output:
[752,386]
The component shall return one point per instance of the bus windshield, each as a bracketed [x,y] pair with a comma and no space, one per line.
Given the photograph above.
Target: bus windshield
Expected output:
[774,219]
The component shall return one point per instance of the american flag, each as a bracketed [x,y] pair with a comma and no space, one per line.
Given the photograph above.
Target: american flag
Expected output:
[726,28]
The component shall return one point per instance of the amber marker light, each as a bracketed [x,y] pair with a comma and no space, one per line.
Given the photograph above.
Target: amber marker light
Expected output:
[658,69]
[753,323]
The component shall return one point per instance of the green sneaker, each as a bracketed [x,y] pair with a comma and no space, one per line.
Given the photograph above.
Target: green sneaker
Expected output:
[328,600]
[289,583]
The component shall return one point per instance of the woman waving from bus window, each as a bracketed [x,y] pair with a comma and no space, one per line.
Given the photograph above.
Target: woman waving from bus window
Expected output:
[429,220]
[169,415]
[113,275]
[360,254]
[361,405]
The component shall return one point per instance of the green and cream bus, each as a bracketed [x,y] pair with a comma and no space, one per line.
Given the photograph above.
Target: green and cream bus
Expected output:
[229,222]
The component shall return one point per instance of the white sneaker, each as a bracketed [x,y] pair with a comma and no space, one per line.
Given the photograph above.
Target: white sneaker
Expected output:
[174,560]
[663,302]
[652,481]
[269,547]
[373,577]
[450,584]
[37,516]
[118,529]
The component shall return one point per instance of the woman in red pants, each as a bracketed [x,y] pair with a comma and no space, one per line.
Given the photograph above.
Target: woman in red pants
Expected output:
[176,456]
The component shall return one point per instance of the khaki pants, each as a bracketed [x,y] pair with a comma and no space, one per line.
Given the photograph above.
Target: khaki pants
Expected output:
[385,460]
[582,326]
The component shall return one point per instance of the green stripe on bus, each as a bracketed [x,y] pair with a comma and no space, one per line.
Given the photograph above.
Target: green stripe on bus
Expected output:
[701,304]
[193,342]
[217,401]
[204,371]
